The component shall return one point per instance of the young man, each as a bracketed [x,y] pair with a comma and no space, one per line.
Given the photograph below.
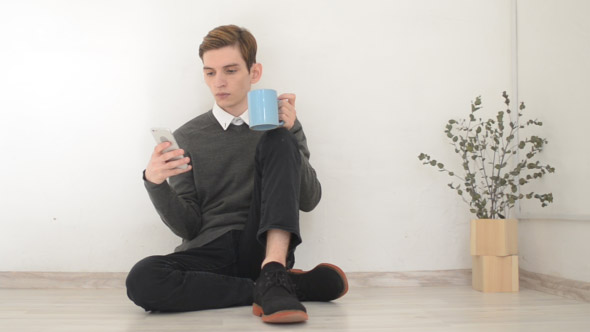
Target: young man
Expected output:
[236,206]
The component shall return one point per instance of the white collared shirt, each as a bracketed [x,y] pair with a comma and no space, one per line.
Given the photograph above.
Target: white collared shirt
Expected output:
[225,119]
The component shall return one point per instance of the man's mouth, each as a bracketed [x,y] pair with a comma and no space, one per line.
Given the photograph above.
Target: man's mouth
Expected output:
[222,95]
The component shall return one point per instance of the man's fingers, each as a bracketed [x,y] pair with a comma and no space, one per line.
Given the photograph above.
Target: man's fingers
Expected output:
[287,108]
[288,120]
[161,147]
[290,97]
[284,116]
[176,171]
[172,154]
[164,173]
[175,163]
[163,165]
[287,112]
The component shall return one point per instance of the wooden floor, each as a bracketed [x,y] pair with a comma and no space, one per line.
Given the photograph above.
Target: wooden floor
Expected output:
[449,308]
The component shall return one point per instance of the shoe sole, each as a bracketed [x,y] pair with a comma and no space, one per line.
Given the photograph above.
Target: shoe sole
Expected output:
[281,317]
[330,266]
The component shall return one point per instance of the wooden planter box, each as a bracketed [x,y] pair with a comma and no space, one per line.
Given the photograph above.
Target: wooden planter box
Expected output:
[495,273]
[494,237]
[494,248]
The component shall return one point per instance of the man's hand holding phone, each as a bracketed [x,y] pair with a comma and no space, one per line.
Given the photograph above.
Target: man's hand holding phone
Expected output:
[162,164]
[167,159]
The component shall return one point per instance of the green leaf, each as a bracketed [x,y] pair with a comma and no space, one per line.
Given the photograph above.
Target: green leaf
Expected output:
[505,95]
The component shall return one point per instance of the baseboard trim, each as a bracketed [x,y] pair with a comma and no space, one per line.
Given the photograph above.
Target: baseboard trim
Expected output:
[58,280]
[411,278]
[572,289]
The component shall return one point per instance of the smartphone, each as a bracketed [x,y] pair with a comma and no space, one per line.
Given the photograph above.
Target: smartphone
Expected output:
[162,135]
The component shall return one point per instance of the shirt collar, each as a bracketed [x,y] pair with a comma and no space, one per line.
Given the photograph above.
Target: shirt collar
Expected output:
[225,119]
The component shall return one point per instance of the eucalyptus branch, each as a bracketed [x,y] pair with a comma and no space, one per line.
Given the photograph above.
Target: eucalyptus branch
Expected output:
[491,194]
[483,166]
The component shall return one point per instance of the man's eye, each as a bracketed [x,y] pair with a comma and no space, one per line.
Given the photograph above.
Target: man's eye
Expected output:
[231,71]
[209,73]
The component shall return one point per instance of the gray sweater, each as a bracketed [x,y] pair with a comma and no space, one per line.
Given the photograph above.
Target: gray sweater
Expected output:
[214,197]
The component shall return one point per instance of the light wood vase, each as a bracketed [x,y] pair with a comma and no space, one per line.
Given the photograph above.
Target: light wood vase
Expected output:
[494,251]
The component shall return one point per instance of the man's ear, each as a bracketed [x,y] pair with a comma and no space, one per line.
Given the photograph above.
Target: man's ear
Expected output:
[255,73]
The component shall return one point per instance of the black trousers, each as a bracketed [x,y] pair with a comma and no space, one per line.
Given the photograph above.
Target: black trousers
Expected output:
[222,273]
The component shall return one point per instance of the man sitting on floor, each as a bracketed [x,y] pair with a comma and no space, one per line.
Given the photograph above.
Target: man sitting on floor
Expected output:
[236,206]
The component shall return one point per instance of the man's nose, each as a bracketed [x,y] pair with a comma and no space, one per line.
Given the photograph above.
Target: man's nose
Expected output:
[220,81]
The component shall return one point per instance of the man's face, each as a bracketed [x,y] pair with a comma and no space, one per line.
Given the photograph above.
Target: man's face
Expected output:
[228,78]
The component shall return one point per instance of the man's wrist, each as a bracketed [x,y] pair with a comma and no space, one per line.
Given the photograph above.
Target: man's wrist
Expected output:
[149,181]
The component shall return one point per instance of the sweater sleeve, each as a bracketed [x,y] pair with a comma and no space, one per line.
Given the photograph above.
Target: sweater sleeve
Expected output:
[311,189]
[176,202]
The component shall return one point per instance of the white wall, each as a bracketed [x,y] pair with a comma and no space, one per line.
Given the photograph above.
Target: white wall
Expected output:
[554,80]
[82,82]
[555,247]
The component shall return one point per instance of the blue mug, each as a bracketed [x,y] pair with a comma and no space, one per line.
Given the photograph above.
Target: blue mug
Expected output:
[263,109]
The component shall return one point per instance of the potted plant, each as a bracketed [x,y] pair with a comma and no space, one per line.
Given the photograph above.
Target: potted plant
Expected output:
[496,166]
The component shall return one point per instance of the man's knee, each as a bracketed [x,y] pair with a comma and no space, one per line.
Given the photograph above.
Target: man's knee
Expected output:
[278,141]
[143,282]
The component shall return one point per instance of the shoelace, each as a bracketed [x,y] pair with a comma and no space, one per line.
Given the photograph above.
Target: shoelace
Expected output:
[279,278]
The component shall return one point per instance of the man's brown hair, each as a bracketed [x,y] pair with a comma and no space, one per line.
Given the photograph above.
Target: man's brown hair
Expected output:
[231,35]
